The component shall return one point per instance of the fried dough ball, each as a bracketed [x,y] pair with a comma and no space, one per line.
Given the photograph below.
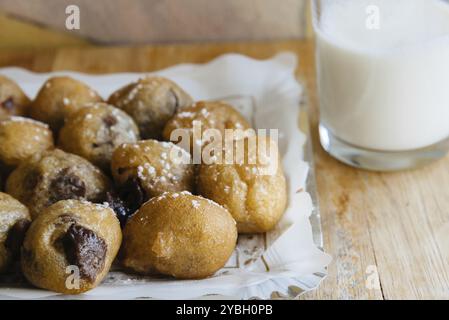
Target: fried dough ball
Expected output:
[20,138]
[14,222]
[210,115]
[151,101]
[13,101]
[70,247]
[253,189]
[96,131]
[53,176]
[58,97]
[147,169]
[179,234]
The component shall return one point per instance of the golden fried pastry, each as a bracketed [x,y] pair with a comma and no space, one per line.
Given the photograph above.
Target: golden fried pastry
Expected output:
[179,234]
[209,115]
[94,133]
[13,101]
[253,188]
[70,247]
[56,175]
[151,101]
[20,138]
[58,97]
[14,222]
[147,169]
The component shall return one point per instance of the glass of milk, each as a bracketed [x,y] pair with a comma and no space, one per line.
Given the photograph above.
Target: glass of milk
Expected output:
[383,81]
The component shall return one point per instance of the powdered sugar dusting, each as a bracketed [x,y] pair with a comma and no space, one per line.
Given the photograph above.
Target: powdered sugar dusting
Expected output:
[195,204]
[28,120]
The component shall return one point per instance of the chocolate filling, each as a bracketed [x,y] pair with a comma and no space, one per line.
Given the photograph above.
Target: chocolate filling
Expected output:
[110,121]
[109,135]
[133,194]
[32,179]
[118,205]
[15,237]
[8,104]
[121,170]
[83,248]
[66,186]
[109,143]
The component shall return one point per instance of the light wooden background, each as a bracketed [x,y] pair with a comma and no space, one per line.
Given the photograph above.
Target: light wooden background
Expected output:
[145,21]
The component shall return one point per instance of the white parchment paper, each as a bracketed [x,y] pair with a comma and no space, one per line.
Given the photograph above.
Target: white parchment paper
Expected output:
[283,262]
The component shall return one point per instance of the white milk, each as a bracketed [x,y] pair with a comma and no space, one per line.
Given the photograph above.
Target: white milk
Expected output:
[385,89]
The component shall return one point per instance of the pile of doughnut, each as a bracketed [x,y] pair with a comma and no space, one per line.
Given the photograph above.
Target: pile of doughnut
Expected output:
[87,182]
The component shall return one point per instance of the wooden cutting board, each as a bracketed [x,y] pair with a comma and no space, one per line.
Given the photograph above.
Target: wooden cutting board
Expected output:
[388,233]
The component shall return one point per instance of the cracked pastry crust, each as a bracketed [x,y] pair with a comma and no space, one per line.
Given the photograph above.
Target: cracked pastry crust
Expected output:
[14,222]
[151,101]
[53,176]
[255,197]
[20,139]
[147,169]
[58,97]
[71,238]
[180,235]
[13,101]
[96,131]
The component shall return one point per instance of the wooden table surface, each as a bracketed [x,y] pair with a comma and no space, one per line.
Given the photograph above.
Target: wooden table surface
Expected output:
[391,229]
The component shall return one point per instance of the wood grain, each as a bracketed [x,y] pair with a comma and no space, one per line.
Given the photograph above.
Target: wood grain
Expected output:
[396,223]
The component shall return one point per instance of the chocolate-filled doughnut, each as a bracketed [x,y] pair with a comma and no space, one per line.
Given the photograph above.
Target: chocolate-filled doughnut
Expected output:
[180,235]
[147,169]
[58,97]
[151,101]
[14,222]
[21,138]
[13,101]
[253,190]
[70,247]
[96,131]
[53,176]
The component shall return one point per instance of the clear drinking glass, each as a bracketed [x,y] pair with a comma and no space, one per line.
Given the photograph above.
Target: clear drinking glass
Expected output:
[383,81]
